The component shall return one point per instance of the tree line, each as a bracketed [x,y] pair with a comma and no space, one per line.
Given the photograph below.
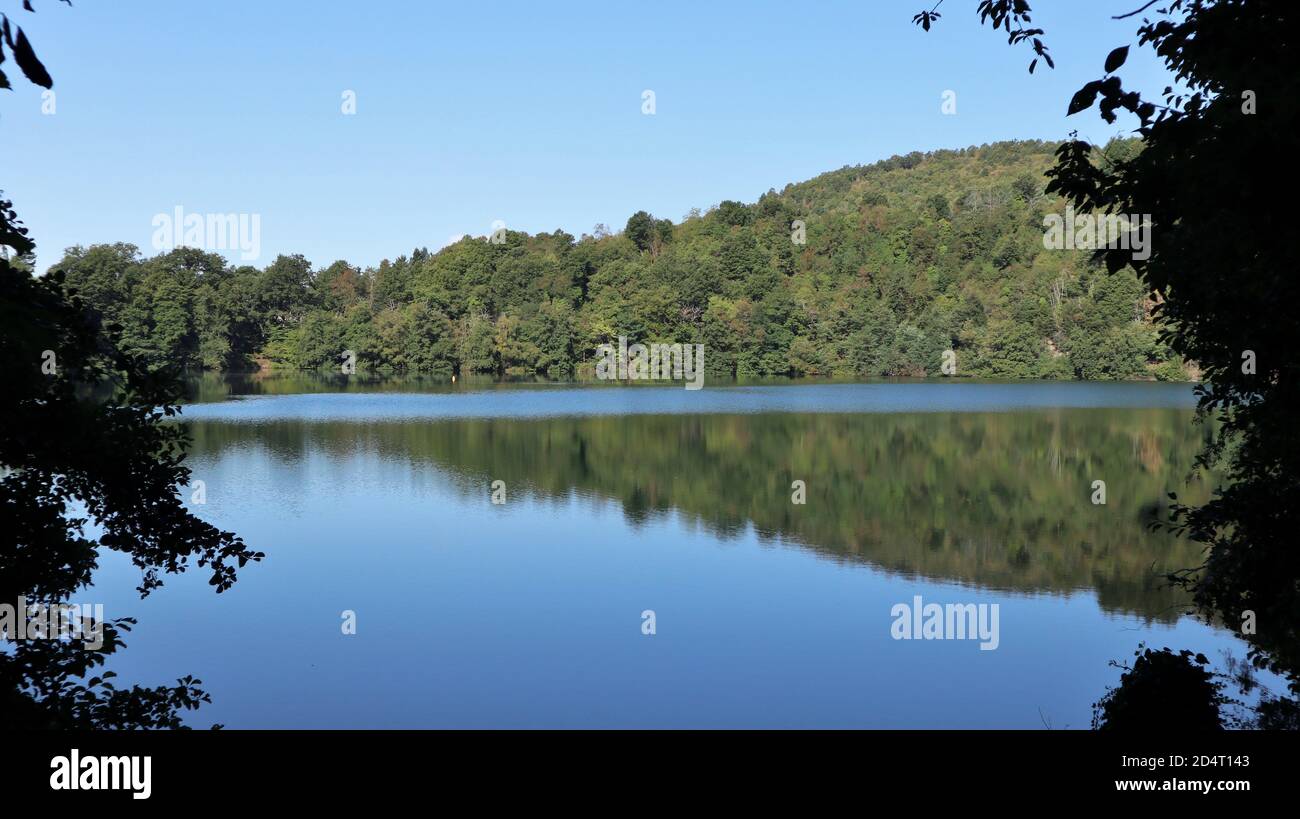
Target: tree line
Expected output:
[862,272]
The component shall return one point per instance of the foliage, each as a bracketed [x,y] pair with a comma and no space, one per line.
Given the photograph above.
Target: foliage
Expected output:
[903,259]
[1221,264]
[1163,692]
[85,440]
[88,443]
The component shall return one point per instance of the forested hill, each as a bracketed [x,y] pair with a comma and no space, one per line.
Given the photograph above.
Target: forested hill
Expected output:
[865,271]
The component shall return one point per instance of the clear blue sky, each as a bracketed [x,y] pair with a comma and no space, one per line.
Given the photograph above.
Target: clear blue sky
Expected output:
[527,112]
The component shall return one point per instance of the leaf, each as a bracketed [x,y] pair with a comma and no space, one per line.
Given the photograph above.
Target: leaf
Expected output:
[1116,58]
[1083,98]
[1032,64]
[26,59]
[925,18]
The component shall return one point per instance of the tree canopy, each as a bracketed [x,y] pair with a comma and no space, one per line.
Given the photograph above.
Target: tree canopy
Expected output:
[1220,273]
[85,441]
[866,271]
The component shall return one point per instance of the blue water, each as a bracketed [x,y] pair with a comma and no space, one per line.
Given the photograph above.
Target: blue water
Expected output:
[565,400]
[529,614]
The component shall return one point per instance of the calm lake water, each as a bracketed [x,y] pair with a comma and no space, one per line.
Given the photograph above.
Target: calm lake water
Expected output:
[375,498]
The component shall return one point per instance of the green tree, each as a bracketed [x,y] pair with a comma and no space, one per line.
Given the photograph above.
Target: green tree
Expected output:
[88,442]
[1219,265]
[640,229]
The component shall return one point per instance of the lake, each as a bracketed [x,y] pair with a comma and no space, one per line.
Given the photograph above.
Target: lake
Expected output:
[375,498]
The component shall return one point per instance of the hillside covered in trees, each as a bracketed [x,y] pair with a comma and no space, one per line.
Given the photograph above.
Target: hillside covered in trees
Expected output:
[864,271]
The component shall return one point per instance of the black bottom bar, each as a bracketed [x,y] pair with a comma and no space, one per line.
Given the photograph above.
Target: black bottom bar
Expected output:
[238,768]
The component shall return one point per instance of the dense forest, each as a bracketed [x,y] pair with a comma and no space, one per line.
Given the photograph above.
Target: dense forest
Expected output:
[865,271]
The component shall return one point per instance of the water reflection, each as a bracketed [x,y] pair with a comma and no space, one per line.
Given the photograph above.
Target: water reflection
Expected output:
[1000,500]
